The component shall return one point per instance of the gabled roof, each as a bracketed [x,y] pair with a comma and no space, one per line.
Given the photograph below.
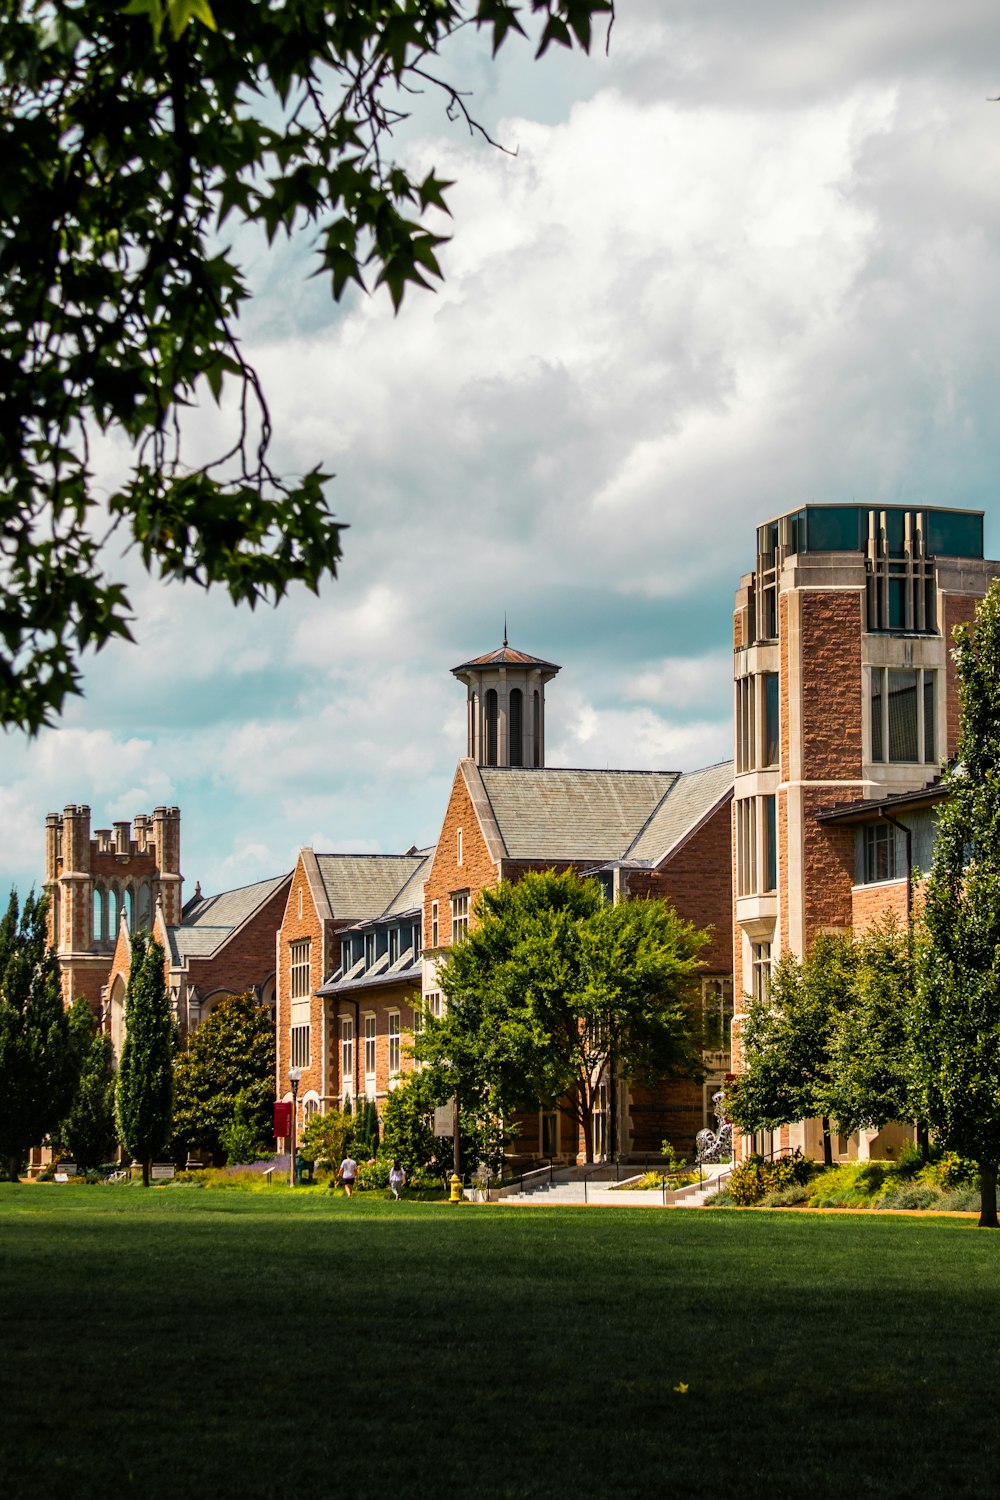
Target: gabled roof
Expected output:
[574,814]
[409,897]
[693,797]
[362,886]
[505,656]
[210,921]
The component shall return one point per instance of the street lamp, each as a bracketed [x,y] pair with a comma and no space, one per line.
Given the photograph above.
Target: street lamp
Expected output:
[294,1074]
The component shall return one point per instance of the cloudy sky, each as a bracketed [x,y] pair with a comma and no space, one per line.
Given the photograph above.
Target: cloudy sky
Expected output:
[749,259]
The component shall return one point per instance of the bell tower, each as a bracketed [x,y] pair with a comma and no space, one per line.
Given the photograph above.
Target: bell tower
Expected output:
[506,706]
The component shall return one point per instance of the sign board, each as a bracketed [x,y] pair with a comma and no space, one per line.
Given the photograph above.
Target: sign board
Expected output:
[444,1119]
[62,1177]
[161,1172]
[282,1119]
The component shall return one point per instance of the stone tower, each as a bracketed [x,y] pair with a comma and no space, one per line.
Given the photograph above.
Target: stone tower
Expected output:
[93,881]
[506,706]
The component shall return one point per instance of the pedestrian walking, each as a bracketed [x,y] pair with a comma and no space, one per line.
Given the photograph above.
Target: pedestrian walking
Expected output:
[347,1173]
[397,1179]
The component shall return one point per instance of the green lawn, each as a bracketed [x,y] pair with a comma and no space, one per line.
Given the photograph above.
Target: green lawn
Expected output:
[186,1343]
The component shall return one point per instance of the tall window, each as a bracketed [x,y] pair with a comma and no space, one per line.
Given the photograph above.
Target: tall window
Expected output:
[347,1056]
[415,940]
[880,853]
[901,594]
[745,715]
[98,927]
[716,1014]
[536,728]
[458,846]
[770,718]
[492,716]
[760,962]
[902,715]
[299,953]
[770,843]
[369,949]
[459,916]
[433,1003]
[550,1132]
[515,728]
[393,944]
[746,846]
[369,1047]
[394,1049]
[602,1109]
[435,926]
[300,1046]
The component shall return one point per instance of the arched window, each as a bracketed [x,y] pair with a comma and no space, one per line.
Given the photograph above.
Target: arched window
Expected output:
[491,726]
[515,728]
[536,728]
[145,906]
[129,907]
[113,914]
[98,928]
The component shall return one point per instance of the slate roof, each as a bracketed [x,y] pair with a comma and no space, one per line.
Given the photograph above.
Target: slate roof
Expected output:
[409,897]
[363,886]
[687,804]
[572,815]
[209,922]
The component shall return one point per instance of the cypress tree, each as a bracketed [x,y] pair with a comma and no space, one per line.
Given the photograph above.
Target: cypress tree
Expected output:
[144,1092]
[88,1132]
[37,1073]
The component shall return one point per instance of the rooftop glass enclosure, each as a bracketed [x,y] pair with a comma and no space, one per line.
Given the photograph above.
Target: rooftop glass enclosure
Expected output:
[898,543]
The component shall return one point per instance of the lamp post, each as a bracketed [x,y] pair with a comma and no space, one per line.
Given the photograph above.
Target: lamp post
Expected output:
[294,1074]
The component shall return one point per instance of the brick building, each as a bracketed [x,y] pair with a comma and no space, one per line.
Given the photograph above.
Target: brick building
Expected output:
[639,833]
[223,945]
[845,708]
[94,882]
[348,974]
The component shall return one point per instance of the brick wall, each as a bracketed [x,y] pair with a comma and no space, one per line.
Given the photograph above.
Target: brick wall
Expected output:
[698,882]
[293,929]
[870,903]
[831,684]
[673,1111]
[827,866]
[247,958]
[477,871]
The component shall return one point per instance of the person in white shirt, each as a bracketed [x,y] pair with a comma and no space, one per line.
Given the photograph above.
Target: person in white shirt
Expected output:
[347,1173]
[397,1179]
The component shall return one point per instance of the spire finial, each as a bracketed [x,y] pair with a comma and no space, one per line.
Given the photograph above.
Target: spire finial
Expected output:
[505,627]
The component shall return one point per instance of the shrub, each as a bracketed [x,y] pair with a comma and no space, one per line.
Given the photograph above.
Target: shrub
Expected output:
[241,1138]
[757,1176]
[373,1174]
[789,1197]
[910,1195]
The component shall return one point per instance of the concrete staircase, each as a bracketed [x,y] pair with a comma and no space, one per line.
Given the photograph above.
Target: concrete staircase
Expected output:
[598,1187]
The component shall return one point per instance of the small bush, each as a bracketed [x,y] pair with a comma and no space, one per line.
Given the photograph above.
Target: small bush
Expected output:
[789,1197]
[751,1182]
[910,1195]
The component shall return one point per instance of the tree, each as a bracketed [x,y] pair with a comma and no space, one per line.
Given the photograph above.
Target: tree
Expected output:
[553,991]
[408,1126]
[325,1137]
[956,1018]
[241,1138]
[129,135]
[37,1072]
[88,1132]
[786,1040]
[230,1054]
[870,1072]
[144,1089]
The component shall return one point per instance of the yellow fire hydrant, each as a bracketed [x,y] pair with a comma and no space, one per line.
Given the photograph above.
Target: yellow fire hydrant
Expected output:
[456,1188]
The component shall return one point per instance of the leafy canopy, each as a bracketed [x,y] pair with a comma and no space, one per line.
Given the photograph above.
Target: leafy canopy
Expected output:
[551,985]
[88,1132]
[228,1058]
[956,1031]
[37,1062]
[129,136]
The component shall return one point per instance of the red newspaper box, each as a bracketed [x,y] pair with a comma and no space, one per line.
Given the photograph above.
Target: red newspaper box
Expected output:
[282,1119]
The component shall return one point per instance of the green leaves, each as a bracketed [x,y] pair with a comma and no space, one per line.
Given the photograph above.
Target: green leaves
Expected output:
[128,137]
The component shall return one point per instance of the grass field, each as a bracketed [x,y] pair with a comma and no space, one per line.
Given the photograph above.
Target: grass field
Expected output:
[182,1343]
